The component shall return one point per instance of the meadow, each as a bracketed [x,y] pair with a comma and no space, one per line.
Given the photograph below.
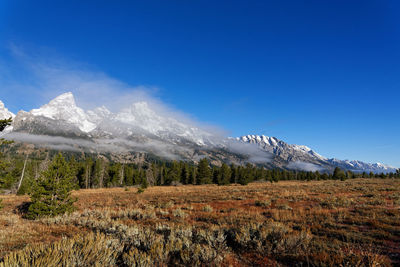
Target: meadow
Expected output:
[290,223]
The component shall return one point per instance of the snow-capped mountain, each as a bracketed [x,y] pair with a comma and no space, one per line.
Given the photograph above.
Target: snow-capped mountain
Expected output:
[296,154]
[141,115]
[61,124]
[282,149]
[64,108]
[362,166]
[4,112]
[61,116]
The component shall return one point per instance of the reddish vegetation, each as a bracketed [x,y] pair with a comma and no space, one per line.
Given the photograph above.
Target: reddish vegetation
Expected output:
[353,222]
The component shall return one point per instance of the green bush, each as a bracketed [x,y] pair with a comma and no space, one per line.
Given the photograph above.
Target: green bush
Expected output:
[140,190]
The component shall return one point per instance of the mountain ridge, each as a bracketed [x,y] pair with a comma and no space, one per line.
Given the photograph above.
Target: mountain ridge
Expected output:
[139,127]
[301,153]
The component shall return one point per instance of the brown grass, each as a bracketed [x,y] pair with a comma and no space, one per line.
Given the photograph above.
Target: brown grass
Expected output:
[352,223]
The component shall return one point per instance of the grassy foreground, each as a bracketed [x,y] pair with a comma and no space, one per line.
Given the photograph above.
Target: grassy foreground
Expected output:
[316,223]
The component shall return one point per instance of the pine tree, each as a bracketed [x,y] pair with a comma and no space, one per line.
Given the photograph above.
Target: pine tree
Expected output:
[215,175]
[338,174]
[204,172]
[317,175]
[184,173]
[51,194]
[225,175]
[192,176]
[143,179]
[174,173]
[244,175]
[234,174]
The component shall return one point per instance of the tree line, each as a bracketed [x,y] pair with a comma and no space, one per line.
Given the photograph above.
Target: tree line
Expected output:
[88,171]
[49,182]
[99,172]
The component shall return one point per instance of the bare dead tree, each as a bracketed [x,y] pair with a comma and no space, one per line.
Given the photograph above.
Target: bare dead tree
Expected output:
[23,172]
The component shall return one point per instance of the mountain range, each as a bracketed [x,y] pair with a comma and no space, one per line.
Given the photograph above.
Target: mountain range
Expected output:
[139,128]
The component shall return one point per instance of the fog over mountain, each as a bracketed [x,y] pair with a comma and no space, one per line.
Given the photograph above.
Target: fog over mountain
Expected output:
[142,127]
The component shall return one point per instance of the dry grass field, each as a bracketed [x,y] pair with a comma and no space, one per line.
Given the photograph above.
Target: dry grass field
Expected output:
[316,223]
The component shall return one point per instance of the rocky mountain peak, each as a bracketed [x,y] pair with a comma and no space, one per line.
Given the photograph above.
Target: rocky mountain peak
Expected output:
[4,112]
[64,108]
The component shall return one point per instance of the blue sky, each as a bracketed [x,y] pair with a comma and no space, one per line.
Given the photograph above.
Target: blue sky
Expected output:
[320,73]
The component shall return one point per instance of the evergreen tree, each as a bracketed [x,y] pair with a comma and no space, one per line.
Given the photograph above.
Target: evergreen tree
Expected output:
[246,175]
[192,176]
[204,172]
[349,175]
[51,194]
[143,179]
[234,174]
[4,123]
[174,173]
[114,175]
[338,174]
[129,176]
[215,175]
[225,175]
[317,175]
[269,176]
[325,176]
[184,173]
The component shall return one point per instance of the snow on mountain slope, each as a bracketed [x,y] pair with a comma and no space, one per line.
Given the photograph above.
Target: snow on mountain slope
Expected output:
[142,125]
[4,112]
[282,149]
[99,114]
[141,115]
[64,108]
[303,154]
[139,119]
[362,166]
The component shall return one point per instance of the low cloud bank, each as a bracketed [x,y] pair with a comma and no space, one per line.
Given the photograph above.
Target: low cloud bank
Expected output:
[304,166]
[158,148]
[120,145]
[255,154]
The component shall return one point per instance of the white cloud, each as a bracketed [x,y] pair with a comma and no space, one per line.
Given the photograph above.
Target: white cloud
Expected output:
[304,166]
[158,148]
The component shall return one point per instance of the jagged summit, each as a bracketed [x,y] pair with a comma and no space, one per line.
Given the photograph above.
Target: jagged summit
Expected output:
[64,108]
